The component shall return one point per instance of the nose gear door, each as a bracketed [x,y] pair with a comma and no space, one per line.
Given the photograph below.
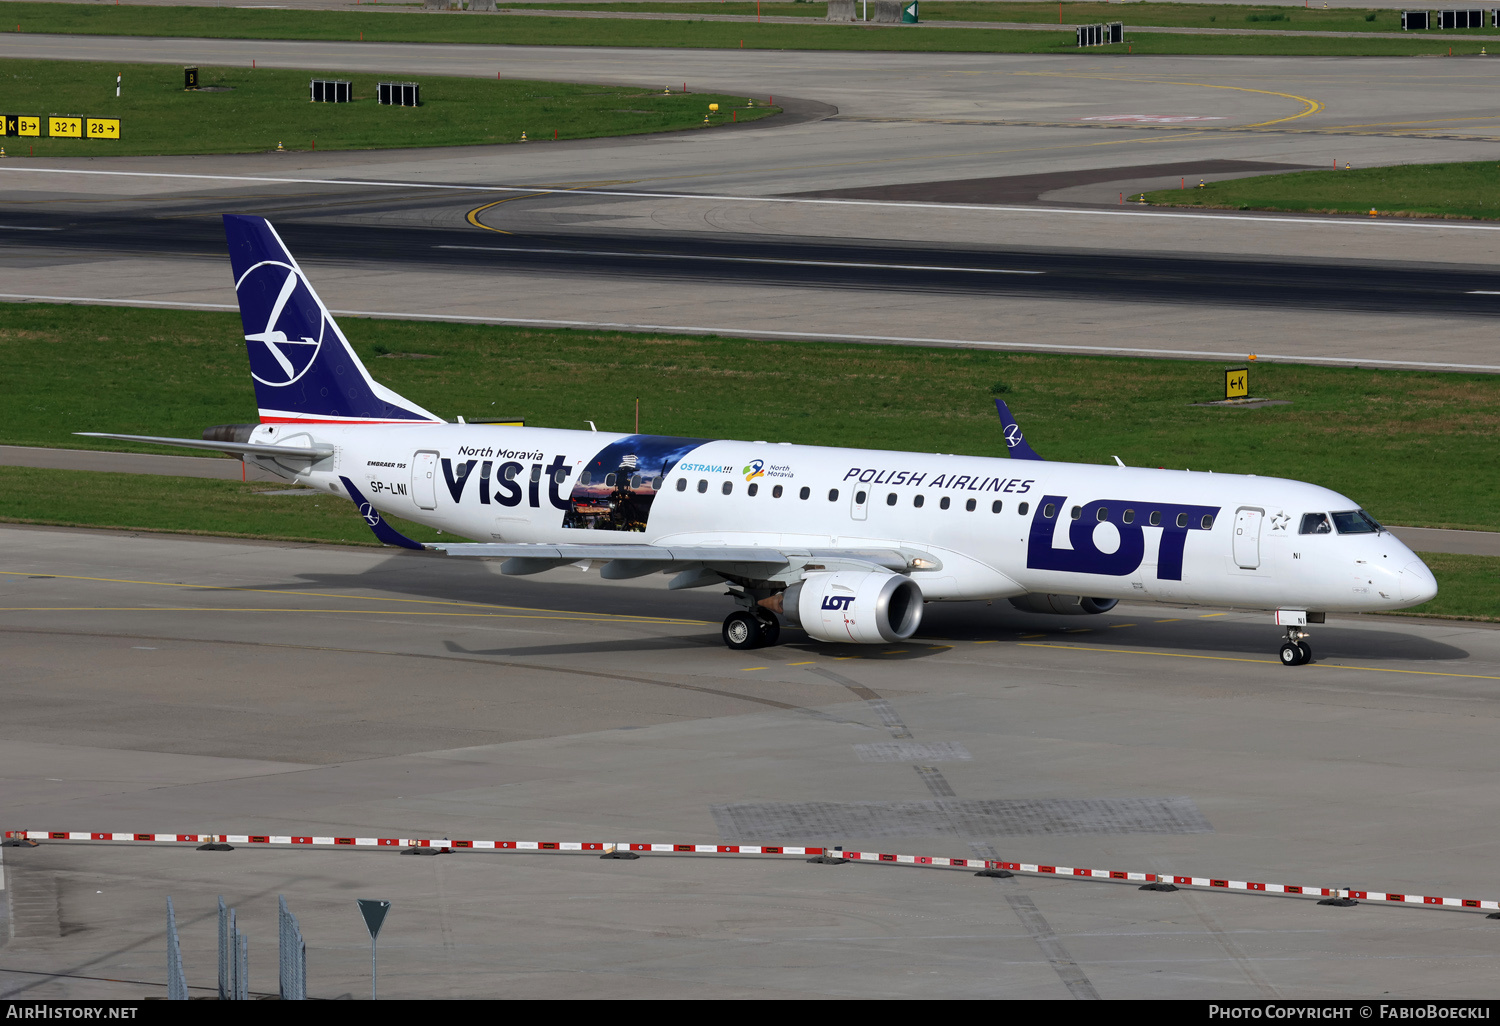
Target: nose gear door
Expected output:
[1247,521]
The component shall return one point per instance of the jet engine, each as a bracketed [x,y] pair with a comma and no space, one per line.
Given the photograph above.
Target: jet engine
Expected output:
[864,607]
[1065,605]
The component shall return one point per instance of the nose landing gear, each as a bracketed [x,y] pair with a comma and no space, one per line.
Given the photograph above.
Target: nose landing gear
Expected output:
[1295,651]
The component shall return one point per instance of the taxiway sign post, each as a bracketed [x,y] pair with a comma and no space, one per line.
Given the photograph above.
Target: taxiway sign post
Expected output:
[374,911]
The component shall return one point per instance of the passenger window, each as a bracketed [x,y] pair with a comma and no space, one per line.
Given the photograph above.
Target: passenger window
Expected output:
[682,484]
[833,495]
[890,499]
[1182,520]
[859,498]
[917,500]
[511,470]
[752,490]
[702,486]
[996,506]
[585,478]
[635,481]
[1355,521]
[970,505]
[944,502]
[1128,516]
[1021,509]
[1049,511]
[1315,523]
[561,476]
[728,487]
[1076,512]
[1156,518]
[1208,522]
[536,471]
[776,492]
[804,493]
[656,482]
[1103,513]
[609,480]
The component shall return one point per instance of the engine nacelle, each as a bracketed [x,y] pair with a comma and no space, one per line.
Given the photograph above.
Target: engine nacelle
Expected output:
[1064,605]
[863,607]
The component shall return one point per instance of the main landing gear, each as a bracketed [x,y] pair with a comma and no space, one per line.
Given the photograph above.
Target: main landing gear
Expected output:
[1295,651]
[744,630]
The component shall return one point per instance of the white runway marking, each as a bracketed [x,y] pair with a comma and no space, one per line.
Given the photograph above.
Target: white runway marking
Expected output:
[22,228]
[1247,217]
[815,336]
[741,260]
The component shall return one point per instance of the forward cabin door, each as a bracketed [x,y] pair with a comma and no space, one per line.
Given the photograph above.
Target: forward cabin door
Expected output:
[424,479]
[1247,521]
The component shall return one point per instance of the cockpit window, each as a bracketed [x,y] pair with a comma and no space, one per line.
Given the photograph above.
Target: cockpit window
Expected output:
[1355,521]
[1315,523]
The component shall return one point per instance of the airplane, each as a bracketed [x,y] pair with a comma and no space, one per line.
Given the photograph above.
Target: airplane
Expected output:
[847,544]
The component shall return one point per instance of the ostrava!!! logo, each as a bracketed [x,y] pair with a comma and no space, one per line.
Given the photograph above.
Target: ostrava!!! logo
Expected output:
[1085,557]
[837,602]
[756,468]
[273,293]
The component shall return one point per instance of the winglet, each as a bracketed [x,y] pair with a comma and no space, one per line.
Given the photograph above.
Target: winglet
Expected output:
[384,531]
[1014,440]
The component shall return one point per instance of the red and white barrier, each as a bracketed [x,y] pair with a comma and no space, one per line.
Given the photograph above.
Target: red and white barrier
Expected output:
[1038,869]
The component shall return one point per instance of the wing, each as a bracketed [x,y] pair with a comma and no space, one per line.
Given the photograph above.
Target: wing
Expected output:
[753,561]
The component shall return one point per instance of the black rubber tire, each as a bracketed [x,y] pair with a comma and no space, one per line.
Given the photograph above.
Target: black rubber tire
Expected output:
[742,631]
[1306,653]
[1291,654]
[770,633]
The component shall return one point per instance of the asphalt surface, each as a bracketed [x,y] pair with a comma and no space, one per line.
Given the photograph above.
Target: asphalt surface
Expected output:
[195,685]
[680,228]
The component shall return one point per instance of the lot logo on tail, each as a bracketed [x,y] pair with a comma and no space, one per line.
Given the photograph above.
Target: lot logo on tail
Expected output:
[295,324]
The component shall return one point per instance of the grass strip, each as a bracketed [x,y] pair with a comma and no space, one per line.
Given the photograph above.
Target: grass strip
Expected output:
[184,505]
[1469,190]
[1411,446]
[1467,585]
[243,110]
[517,30]
[1246,17]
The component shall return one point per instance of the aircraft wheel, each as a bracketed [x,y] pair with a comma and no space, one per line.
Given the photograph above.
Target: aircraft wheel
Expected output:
[770,633]
[1291,653]
[742,631]
[1306,652]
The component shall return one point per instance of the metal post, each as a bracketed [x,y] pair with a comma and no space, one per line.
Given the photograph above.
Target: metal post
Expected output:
[242,975]
[223,950]
[372,969]
[176,984]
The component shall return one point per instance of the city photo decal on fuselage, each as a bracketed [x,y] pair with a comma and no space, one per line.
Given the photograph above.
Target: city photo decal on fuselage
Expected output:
[614,491]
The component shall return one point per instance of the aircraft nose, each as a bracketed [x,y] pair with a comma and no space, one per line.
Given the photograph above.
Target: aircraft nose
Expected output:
[1417,583]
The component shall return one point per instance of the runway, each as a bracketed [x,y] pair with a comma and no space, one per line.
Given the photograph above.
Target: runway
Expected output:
[172,684]
[741,232]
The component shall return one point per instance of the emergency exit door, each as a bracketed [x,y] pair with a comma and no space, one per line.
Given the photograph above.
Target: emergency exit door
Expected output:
[1247,521]
[424,479]
[859,503]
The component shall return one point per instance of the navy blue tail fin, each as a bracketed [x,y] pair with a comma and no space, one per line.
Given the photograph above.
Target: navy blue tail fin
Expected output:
[304,368]
[1015,442]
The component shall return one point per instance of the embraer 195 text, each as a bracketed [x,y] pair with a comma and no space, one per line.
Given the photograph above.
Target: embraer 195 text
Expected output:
[848,544]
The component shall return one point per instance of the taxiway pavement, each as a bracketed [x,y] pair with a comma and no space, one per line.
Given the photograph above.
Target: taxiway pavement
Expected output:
[1051,127]
[169,684]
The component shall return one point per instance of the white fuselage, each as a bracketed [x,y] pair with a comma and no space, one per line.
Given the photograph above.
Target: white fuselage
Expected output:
[1222,540]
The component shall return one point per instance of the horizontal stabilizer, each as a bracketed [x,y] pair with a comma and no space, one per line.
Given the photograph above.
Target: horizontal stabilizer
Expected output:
[314,452]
